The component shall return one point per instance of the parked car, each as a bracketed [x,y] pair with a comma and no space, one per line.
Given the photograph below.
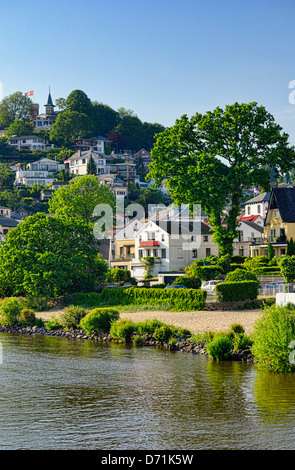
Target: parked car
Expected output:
[176,287]
[271,285]
[209,286]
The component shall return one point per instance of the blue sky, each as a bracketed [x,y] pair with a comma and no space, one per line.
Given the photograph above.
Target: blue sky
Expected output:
[162,59]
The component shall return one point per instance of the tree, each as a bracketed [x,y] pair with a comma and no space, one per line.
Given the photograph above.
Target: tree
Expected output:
[104,118]
[79,102]
[91,167]
[210,159]
[15,106]
[287,265]
[50,256]
[19,127]
[7,177]
[79,198]
[69,126]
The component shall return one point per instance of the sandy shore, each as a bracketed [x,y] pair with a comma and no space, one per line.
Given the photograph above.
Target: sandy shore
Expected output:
[196,322]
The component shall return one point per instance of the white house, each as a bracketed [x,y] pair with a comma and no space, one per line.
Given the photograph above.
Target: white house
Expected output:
[39,172]
[30,142]
[249,233]
[256,208]
[173,245]
[5,211]
[116,185]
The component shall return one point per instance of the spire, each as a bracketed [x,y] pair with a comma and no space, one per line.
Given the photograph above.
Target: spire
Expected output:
[49,100]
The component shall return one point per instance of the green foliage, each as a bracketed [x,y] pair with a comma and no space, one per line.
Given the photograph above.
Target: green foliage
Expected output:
[272,336]
[148,326]
[19,128]
[249,143]
[270,251]
[79,198]
[164,333]
[189,282]
[204,273]
[10,310]
[85,299]
[69,126]
[236,291]
[49,256]
[53,323]
[15,106]
[290,247]
[99,320]
[118,275]
[220,347]
[287,266]
[71,317]
[267,271]
[123,330]
[27,317]
[251,264]
[240,275]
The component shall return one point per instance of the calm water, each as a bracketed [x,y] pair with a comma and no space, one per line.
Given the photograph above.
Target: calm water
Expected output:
[65,394]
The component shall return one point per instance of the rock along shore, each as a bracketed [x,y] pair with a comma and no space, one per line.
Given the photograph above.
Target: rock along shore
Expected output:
[180,344]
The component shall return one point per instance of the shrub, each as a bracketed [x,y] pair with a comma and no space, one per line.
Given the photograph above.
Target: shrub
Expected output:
[10,309]
[118,275]
[53,323]
[85,299]
[116,296]
[99,319]
[240,275]
[267,270]
[123,330]
[238,259]
[27,316]
[71,317]
[220,347]
[190,282]
[138,340]
[235,291]
[148,326]
[272,336]
[256,262]
[164,333]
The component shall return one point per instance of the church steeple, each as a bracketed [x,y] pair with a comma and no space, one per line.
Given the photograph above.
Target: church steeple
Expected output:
[49,107]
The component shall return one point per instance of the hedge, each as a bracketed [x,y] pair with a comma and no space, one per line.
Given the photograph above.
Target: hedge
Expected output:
[177,299]
[235,291]
[267,270]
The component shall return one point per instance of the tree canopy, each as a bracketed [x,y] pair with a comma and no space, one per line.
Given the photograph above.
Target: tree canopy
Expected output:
[15,106]
[211,158]
[50,256]
[79,198]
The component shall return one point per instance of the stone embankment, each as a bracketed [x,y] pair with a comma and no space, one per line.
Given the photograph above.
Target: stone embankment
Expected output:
[181,345]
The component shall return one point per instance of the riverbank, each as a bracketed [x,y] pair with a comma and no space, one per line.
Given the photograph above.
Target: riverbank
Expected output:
[196,322]
[182,345]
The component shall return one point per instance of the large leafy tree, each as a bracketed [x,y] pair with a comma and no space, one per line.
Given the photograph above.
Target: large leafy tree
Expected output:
[51,256]
[79,198]
[15,106]
[70,125]
[19,127]
[7,177]
[211,158]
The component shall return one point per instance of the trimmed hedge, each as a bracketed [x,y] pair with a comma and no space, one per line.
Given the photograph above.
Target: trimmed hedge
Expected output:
[177,299]
[267,270]
[235,291]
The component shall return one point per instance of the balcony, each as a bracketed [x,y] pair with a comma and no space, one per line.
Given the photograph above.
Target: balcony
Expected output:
[265,241]
[148,243]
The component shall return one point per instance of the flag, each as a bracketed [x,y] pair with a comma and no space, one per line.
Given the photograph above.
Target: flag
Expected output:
[29,93]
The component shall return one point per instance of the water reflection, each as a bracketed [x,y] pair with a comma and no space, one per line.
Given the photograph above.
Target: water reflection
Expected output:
[57,393]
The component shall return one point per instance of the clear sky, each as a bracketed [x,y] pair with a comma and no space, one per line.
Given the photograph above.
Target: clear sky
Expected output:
[162,59]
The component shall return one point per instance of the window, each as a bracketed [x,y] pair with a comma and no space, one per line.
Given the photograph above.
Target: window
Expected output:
[163,237]
[155,253]
[258,209]
[193,238]
[205,238]
[151,236]
[83,161]
[195,253]
[140,253]
[248,210]
[163,253]
[208,251]
[149,252]
[241,251]
[277,214]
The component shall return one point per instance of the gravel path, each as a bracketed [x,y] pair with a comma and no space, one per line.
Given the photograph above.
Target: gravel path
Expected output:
[196,322]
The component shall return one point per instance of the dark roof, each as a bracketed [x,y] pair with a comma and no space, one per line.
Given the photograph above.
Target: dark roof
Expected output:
[49,101]
[7,222]
[284,200]
[183,228]
[260,198]
[253,225]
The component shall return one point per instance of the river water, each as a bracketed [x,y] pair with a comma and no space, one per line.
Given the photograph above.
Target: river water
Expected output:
[61,394]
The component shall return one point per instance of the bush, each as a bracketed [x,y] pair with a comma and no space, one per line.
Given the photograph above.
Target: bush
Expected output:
[27,317]
[256,262]
[164,333]
[71,317]
[272,336]
[240,275]
[267,270]
[99,320]
[148,326]
[10,309]
[116,296]
[85,299]
[189,282]
[205,273]
[235,291]
[220,347]
[123,330]
[118,275]
[53,323]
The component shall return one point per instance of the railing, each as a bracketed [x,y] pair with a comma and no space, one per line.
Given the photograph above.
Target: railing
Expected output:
[264,241]
[273,288]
